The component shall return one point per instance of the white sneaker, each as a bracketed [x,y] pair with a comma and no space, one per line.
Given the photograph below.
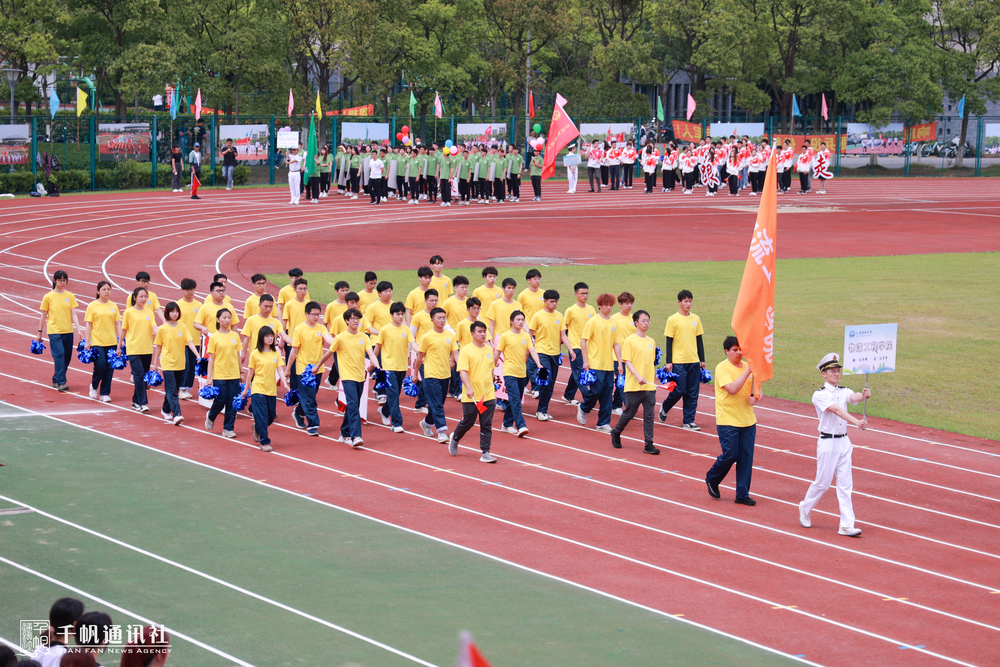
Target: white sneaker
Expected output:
[382,398]
[581,416]
[387,421]
[511,429]
[228,189]
[850,532]
[427,429]
[184,394]
[354,196]
[571,401]
[166,416]
[397,429]
[143,409]
[523,431]
[357,442]
[804,520]
[105,399]
[424,410]
[452,445]
[178,420]
[92,393]
[209,424]
[534,394]
[543,416]
[616,411]
[442,436]
[228,434]
[487,458]
[606,428]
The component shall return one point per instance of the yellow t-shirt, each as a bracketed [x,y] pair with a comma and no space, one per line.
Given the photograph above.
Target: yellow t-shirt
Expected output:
[487,295]
[294,314]
[287,294]
[333,311]
[172,341]
[514,348]
[463,333]
[423,323]
[642,353]
[415,301]
[437,349]
[378,315]
[264,364]
[685,332]
[499,314]
[208,316]
[137,327]
[576,320]
[255,323]
[103,317]
[366,299]
[531,302]
[189,311]
[60,309]
[732,409]
[443,287]
[601,335]
[478,363]
[151,301]
[395,342]
[226,348]
[625,326]
[251,306]
[351,351]
[547,328]
[309,340]
[226,300]
[456,311]
[339,326]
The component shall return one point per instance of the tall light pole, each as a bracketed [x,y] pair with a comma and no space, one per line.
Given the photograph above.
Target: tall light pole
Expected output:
[12,75]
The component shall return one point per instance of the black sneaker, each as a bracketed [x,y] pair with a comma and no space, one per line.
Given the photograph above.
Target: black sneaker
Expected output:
[616,440]
[746,501]
[713,490]
[650,449]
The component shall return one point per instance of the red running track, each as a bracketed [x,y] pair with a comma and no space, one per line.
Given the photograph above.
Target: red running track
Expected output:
[922,579]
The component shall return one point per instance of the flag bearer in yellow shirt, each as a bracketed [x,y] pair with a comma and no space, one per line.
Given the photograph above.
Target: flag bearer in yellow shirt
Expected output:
[638,355]
[475,365]
[685,355]
[436,352]
[307,348]
[352,347]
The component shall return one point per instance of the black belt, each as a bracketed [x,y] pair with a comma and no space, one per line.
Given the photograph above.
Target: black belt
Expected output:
[824,436]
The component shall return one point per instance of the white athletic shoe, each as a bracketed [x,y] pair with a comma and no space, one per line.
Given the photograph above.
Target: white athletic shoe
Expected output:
[850,532]
[487,458]
[184,394]
[581,416]
[511,429]
[178,420]
[442,436]
[523,431]
[228,434]
[427,429]
[606,428]
[543,416]
[92,393]
[804,520]
[616,411]
[397,429]
[105,399]
[386,420]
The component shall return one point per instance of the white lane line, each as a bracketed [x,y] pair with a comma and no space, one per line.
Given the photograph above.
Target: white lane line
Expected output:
[173,631]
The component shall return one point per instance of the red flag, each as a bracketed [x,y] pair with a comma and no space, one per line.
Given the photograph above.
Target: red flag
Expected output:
[753,317]
[561,132]
[481,406]
[531,105]
[195,184]
[197,105]
[826,112]
[468,653]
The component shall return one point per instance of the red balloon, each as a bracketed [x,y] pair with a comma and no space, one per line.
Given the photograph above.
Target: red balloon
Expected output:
[404,130]
[399,136]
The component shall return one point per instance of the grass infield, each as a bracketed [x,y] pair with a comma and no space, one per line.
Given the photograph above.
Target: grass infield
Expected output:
[943,304]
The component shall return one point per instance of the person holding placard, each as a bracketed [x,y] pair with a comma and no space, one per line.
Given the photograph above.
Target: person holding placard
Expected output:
[572,162]
[833,449]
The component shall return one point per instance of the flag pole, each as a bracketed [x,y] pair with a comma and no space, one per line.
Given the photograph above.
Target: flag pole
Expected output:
[865,415]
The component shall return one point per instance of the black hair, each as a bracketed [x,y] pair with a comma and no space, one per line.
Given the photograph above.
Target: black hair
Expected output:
[460,280]
[425,272]
[311,306]
[98,626]
[352,312]
[340,284]
[100,285]
[7,656]
[684,294]
[264,331]
[550,294]
[218,316]
[294,273]
[169,308]
[135,293]
[398,307]
[490,270]
[532,273]
[383,286]
[579,286]
[626,297]
[211,288]
[435,311]
[430,292]
[515,314]
[370,276]
[188,283]
[636,314]
[435,259]
[65,612]
[142,275]
[219,277]
[477,325]
[473,301]
[265,297]
[300,281]
[352,296]
[59,275]
[257,277]
[508,281]
[729,343]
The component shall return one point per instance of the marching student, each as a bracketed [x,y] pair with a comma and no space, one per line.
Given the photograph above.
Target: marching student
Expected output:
[338,325]
[262,377]
[463,333]
[60,318]
[669,168]
[351,348]
[516,347]
[625,326]
[548,328]
[189,313]
[530,301]
[821,170]
[499,312]
[378,314]
[207,321]
[336,308]
[638,355]
[219,278]
[224,350]
[251,306]
[804,166]
[439,281]
[172,347]
[454,306]
[488,292]
[436,352]
[649,168]
[475,365]
[138,331]
[577,316]
[294,162]
[599,348]
[142,280]
[103,331]
[307,348]
[393,345]
[421,322]
[710,173]
[594,155]
[628,158]
[287,293]
[264,318]
[415,299]
[684,354]
[294,312]
[369,294]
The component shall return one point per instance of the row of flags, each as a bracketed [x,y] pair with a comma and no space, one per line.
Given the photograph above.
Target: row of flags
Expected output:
[82,97]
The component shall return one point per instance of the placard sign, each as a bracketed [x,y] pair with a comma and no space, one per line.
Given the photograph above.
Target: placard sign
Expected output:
[869,348]
[288,139]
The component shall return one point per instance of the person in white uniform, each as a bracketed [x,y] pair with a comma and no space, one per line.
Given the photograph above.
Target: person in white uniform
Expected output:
[572,172]
[833,449]
[294,161]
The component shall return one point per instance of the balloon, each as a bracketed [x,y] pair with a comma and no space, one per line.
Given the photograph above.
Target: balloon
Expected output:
[537,128]
[404,130]
[406,140]
[447,143]
[399,136]
[454,150]
[445,150]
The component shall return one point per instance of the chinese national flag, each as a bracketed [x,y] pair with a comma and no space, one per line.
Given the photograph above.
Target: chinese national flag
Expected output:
[561,132]
[753,317]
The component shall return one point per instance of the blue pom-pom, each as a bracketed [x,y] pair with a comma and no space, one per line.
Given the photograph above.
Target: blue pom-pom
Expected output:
[208,392]
[153,379]
[620,382]
[308,377]
[664,376]
[86,356]
[560,360]
[411,388]
[240,401]
[656,359]
[124,353]
[502,405]
[381,380]
[588,377]
[542,374]
[292,398]
[80,346]
[706,375]
[116,360]
[37,347]
[542,382]
[496,386]
[201,367]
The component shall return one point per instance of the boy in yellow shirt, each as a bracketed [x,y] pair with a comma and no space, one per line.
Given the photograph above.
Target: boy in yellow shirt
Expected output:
[263,318]
[369,294]
[501,309]
[577,316]
[392,347]
[475,365]
[454,306]
[439,281]
[437,351]
[307,348]
[378,314]
[549,330]
[352,348]
[531,301]
[293,314]
[189,307]
[516,347]
[599,348]
[638,355]
[488,292]
[287,293]
[415,299]
[207,321]
[625,326]
[252,304]
[336,308]
[421,322]
[735,423]
[684,354]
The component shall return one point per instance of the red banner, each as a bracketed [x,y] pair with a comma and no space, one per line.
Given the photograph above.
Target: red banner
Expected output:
[814,140]
[366,110]
[925,132]
[561,132]
[684,131]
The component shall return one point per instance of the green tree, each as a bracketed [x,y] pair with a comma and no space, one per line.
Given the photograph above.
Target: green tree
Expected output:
[29,41]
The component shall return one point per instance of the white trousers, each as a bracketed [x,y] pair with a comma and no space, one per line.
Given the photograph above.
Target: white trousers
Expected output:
[833,457]
[295,185]
[571,174]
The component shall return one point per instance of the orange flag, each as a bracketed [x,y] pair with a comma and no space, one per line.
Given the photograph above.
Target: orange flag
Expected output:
[468,653]
[753,317]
